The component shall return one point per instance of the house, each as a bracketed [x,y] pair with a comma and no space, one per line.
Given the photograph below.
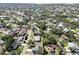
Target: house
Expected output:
[14,29]
[60,24]
[73,45]
[76,19]
[50,48]
[48,29]
[12,21]
[2,29]
[76,52]
[1,42]
[64,37]
[2,16]
[18,41]
[37,38]
[20,38]
[37,33]
[2,25]
[2,47]
[22,32]
[65,30]
[12,33]
[15,44]
[54,21]
[35,50]
[28,52]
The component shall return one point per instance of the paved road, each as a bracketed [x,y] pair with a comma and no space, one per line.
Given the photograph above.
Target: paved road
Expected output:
[26,50]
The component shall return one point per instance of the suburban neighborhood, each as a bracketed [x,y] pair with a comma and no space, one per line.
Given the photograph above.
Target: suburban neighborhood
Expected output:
[39,29]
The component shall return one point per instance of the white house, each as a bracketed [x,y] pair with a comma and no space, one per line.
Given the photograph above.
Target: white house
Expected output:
[37,38]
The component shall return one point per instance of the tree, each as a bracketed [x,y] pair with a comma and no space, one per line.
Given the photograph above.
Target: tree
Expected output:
[45,41]
[64,44]
[70,34]
[58,51]
[2,21]
[52,40]
[19,50]
[57,31]
[42,25]
[72,49]
[8,40]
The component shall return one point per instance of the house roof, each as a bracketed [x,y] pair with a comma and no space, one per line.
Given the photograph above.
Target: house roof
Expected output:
[1,41]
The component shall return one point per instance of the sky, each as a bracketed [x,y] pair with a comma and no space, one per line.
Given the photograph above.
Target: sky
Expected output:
[39,1]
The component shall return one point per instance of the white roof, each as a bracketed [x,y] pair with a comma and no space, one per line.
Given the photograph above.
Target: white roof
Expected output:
[37,38]
[60,24]
[20,38]
[1,41]
[72,44]
[76,19]
[65,30]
